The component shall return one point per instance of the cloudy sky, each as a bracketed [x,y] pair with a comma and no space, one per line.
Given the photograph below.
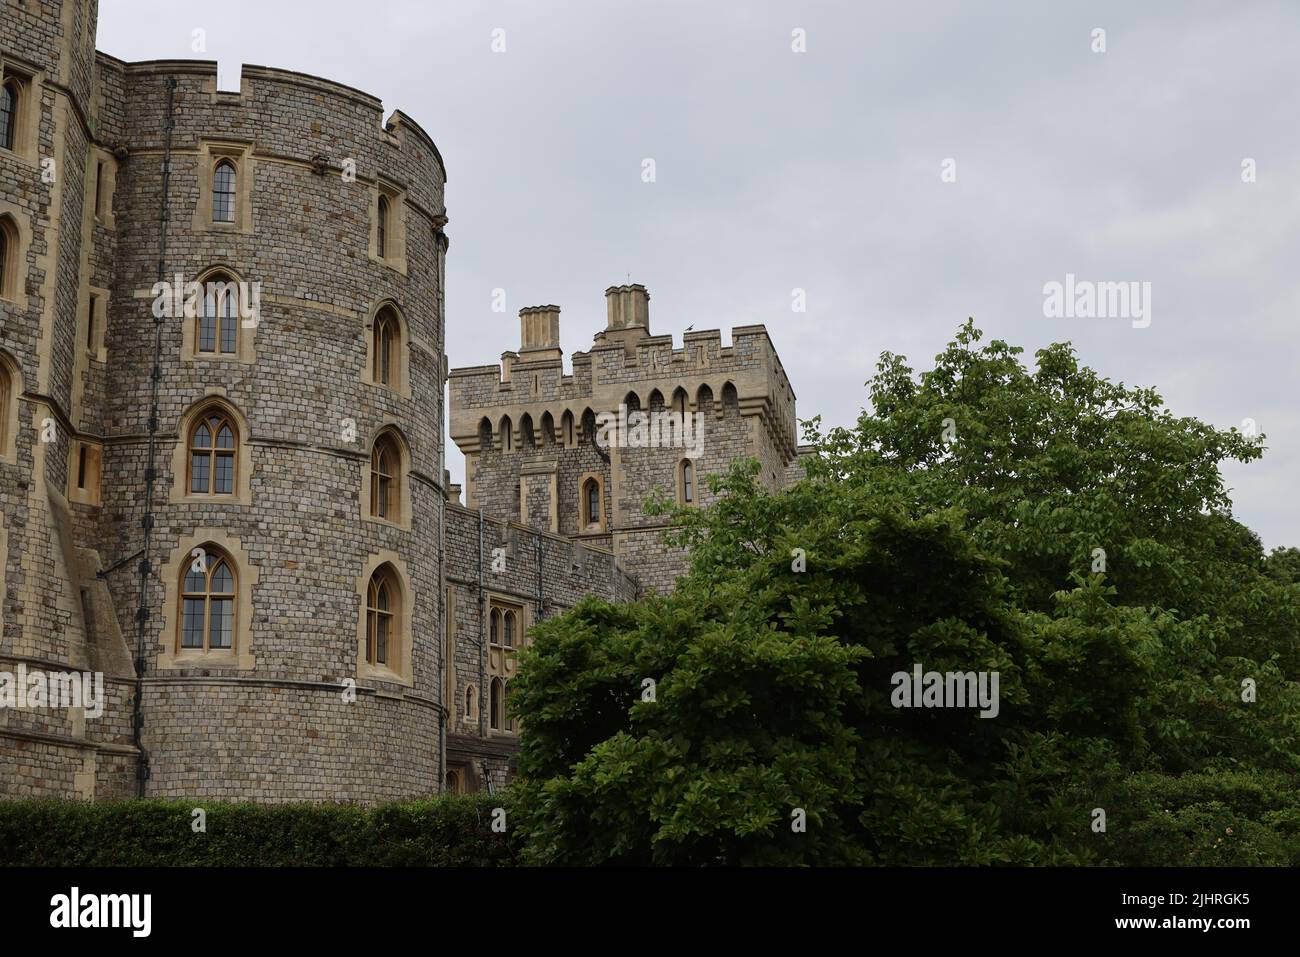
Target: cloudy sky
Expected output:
[822,170]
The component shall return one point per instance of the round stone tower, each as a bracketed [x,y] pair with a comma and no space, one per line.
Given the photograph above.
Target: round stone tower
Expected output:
[221,462]
[290,649]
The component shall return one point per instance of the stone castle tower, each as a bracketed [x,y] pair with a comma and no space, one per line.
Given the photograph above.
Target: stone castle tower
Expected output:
[271,582]
[533,441]
[222,491]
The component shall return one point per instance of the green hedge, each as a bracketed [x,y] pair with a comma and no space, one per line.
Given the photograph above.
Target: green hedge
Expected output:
[451,831]
[1241,818]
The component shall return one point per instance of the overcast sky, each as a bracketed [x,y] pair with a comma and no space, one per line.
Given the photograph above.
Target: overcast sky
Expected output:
[821,170]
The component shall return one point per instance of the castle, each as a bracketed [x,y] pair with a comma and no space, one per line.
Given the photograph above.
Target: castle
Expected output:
[222,484]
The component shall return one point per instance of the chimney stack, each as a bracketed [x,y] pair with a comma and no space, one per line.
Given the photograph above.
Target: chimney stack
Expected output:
[628,309]
[539,333]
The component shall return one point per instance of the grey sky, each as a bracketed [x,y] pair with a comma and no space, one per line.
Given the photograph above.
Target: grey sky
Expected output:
[821,170]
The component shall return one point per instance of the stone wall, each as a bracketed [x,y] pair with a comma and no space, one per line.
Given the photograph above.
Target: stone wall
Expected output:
[540,573]
[274,724]
[738,394]
[294,711]
[46,578]
[290,712]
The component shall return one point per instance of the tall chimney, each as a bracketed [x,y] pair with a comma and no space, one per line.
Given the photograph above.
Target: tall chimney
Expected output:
[539,333]
[628,310]
[628,307]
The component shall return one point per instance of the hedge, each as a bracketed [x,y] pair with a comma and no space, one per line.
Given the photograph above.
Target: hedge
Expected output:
[1242,818]
[453,831]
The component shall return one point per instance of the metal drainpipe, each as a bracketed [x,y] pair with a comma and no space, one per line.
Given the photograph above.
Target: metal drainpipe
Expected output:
[146,521]
[444,643]
[444,636]
[537,540]
[482,622]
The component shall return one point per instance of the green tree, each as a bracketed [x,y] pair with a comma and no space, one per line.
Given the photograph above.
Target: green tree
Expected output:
[1068,533]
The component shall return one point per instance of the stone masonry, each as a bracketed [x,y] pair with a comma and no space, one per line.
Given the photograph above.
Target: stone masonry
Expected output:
[337,519]
[528,455]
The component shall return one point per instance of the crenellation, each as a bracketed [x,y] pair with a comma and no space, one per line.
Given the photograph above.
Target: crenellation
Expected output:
[739,393]
[362,644]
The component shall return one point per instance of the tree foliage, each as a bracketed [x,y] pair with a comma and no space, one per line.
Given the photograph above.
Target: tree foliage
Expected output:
[1064,531]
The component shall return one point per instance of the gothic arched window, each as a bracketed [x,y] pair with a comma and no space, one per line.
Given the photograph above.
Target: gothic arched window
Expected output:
[381,618]
[208,602]
[387,348]
[687,480]
[566,427]
[495,705]
[591,502]
[385,478]
[214,442]
[218,320]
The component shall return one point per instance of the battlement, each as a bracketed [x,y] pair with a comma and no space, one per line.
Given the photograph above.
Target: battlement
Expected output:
[625,365]
[349,123]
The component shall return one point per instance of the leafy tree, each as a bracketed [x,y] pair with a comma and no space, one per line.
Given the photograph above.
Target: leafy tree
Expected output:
[1066,532]
[1283,565]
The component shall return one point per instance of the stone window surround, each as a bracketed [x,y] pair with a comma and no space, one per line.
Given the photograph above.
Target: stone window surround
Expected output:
[15,222]
[9,408]
[471,695]
[91,494]
[681,481]
[212,152]
[245,345]
[26,126]
[403,367]
[585,528]
[503,607]
[455,782]
[240,654]
[97,349]
[395,236]
[403,521]
[493,683]
[502,663]
[107,186]
[398,670]
[180,491]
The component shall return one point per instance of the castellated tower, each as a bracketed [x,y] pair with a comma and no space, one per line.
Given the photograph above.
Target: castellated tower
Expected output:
[291,638]
[535,449]
[222,489]
[222,493]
